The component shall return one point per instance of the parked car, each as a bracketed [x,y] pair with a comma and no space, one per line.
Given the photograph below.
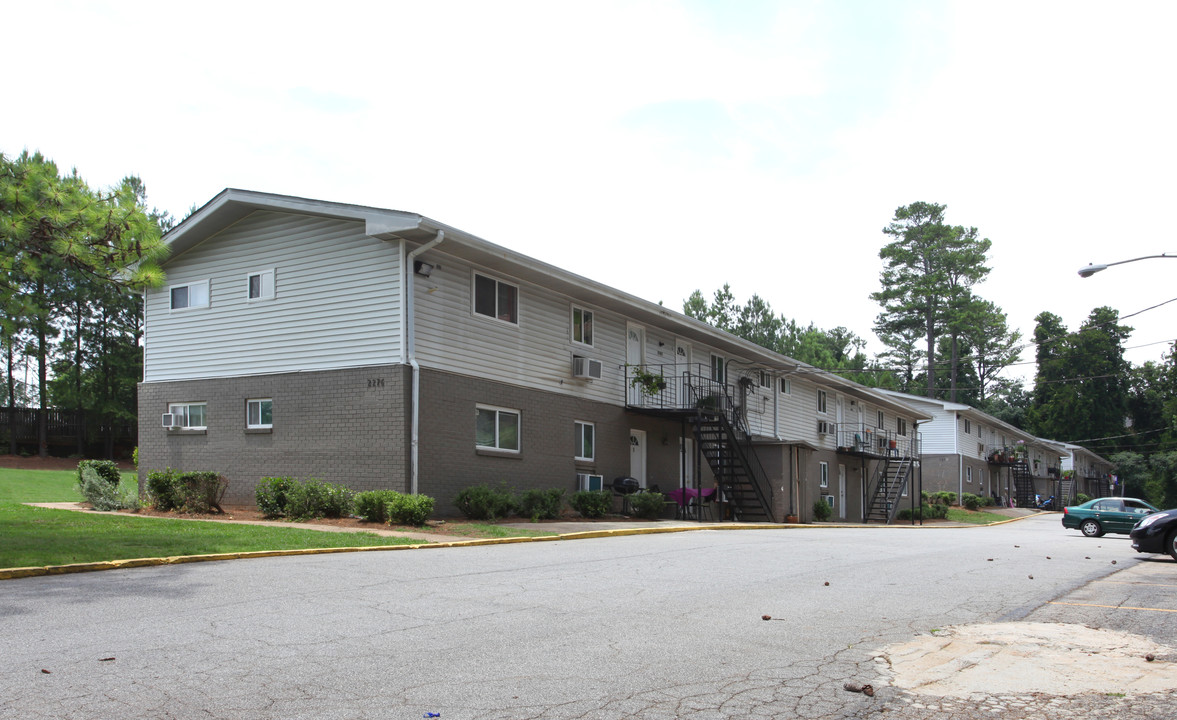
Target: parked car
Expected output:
[1106,515]
[1156,533]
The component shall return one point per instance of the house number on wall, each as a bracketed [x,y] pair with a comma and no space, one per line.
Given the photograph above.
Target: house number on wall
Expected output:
[375,382]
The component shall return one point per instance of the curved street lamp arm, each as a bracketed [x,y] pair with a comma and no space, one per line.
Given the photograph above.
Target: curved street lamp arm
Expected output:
[1091,269]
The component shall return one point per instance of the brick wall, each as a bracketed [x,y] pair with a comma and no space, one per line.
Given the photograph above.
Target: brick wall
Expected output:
[343,426]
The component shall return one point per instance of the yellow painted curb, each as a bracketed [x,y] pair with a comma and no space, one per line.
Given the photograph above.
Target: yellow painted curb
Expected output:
[37,571]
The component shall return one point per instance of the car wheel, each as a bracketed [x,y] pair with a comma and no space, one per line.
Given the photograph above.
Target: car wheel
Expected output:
[1091,528]
[1171,544]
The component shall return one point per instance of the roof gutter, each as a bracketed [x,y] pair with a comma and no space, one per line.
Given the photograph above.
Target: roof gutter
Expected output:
[411,342]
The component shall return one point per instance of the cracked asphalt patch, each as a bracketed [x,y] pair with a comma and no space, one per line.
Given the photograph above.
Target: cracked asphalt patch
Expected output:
[1027,657]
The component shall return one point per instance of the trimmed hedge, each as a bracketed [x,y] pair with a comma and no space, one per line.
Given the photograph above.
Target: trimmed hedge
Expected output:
[482,502]
[195,492]
[592,503]
[647,505]
[541,504]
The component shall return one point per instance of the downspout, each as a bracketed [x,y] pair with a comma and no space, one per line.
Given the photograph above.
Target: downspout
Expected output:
[410,323]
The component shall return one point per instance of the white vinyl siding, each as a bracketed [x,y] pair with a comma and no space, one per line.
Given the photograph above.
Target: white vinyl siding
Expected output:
[339,304]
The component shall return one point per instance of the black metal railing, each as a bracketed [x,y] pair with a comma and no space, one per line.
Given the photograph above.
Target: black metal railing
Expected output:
[872,441]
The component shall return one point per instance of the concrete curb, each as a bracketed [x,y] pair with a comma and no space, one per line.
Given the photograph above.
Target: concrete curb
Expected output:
[38,571]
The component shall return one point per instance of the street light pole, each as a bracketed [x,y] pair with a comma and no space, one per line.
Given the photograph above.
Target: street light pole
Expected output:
[1091,269]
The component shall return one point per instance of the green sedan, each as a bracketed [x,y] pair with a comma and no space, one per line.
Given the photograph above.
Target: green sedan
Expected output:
[1106,515]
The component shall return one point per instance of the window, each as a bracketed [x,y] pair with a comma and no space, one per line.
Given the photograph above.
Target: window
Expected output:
[763,378]
[968,428]
[786,386]
[901,426]
[192,295]
[585,440]
[718,369]
[823,474]
[879,420]
[189,416]
[497,428]
[582,326]
[260,285]
[821,401]
[980,449]
[259,413]
[968,473]
[496,299]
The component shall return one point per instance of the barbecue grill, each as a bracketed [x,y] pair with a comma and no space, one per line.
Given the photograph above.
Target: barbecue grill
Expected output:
[625,486]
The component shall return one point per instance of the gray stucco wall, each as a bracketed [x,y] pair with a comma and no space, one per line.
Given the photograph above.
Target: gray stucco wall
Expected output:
[343,426]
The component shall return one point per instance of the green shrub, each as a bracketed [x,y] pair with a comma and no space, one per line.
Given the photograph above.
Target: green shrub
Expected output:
[541,504]
[592,503]
[822,510]
[372,505]
[161,490]
[101,494]
[271,493]
[314,498]
[1081,498]
[195,492]
[409,509]
[988,501]
[482,502]
[135,457]
[648,505]
[970,501]
[929,512]
[944,498]
[108,470]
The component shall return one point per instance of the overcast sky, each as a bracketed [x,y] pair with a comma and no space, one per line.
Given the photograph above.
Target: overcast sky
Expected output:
[658,146]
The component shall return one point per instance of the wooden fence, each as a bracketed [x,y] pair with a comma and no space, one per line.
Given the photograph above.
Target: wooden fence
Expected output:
[70,432]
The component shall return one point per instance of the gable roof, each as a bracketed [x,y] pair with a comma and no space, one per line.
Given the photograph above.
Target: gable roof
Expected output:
[232,205]
[979,416]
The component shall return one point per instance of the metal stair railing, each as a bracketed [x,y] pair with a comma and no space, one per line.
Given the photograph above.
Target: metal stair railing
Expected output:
[888,485]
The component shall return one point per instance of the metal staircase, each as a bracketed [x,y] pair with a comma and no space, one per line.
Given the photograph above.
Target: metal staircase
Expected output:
[735,465]
[1023,484]
[888,485]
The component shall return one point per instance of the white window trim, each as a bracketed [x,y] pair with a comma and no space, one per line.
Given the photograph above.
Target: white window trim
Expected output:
[495,318]
[207,294]
[271,274]
[187,414]
[880,420]
[519,432]
[786,386]
[572,325]
[260,425]
[823,402]
[823,475]
[763,379]
[722,367]
[578,424]
[968,474]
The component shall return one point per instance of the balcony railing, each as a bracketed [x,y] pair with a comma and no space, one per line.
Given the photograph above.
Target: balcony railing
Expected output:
[873,441]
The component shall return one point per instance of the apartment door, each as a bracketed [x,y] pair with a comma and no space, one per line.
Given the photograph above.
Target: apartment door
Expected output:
[841,491]
[637,456]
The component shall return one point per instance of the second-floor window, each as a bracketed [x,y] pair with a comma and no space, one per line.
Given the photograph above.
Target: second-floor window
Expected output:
[901,426]
[582,326]
[192,295]
[821,401]
[786,386]
[879,420]
[968,427]
[718,369]
[496,299]
[260,285]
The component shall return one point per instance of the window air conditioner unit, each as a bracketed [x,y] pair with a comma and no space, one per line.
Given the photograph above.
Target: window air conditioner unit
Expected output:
[583,367]
[828,500]
[825,427]
[170,420]
[584,481]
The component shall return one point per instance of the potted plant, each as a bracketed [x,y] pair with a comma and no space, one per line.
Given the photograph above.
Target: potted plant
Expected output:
[650,383]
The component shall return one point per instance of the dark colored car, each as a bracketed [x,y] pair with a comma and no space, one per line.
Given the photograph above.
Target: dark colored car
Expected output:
[1106,515]
[1156,533]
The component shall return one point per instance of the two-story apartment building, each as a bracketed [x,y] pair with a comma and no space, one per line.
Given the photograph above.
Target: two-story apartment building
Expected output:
[968,451]
[382,349]
[1090,473]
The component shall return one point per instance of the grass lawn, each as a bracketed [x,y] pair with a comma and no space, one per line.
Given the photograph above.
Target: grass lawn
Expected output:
[38,536]
[480,531]
[975,517]
[47,485]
